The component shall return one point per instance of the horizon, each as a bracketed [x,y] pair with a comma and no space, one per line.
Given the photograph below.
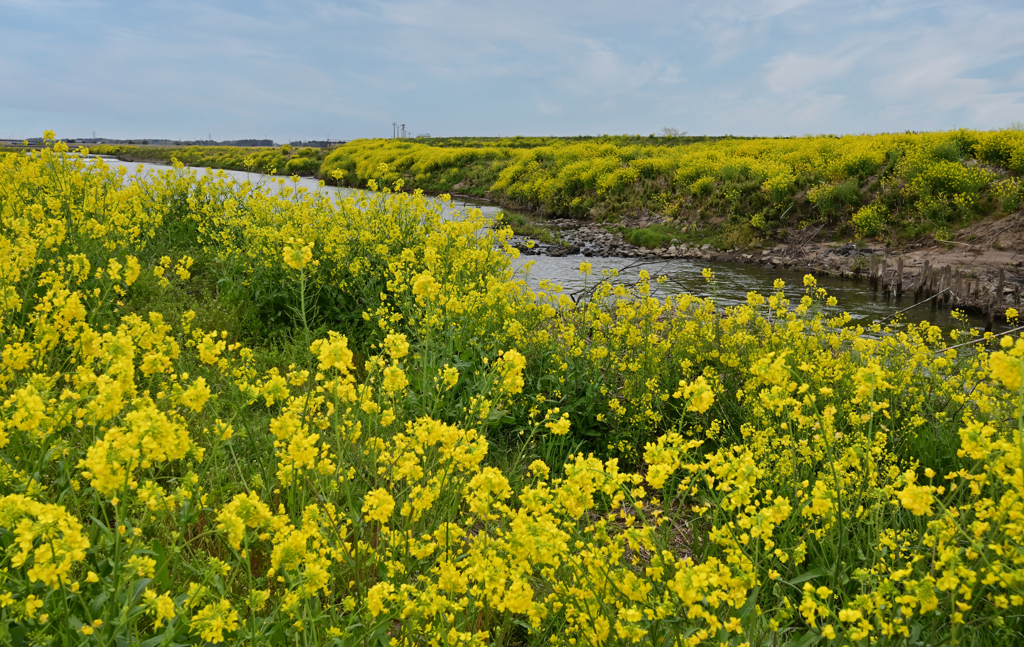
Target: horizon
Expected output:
[160,141]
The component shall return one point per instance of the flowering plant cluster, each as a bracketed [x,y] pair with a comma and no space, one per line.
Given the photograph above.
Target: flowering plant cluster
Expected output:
[924,179]
[265,416]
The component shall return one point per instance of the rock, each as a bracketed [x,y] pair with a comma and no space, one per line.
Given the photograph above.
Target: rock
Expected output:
[672,249]
[705,247]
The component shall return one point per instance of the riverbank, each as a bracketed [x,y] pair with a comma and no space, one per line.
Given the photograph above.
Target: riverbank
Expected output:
[283,160]
[981,269]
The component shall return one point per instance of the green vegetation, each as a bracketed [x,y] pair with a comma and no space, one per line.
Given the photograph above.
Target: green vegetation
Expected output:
[736,189]
[654,236]
[525,226]
[284,160]
[256,415]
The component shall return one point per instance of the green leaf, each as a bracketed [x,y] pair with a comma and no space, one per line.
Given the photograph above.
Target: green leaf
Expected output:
[751,602]
[809,575]
[161,564]
[137,588]
[808,639]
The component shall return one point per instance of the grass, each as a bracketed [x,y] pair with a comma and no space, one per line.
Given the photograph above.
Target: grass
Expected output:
[349,423]
[523,225]
[282,160]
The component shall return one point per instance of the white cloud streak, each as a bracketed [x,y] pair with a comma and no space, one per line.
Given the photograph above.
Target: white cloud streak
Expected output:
[460,67]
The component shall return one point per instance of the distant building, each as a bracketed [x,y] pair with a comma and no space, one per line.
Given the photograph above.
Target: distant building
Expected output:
[317,143]
[422,135]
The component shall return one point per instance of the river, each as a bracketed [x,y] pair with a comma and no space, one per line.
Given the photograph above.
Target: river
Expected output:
[732,280]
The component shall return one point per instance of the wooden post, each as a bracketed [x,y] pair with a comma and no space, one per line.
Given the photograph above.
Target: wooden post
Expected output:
[874,276]
[922,281]
[883,279]
[990,317]
[899,277]
[956,290]
[1016,295]
[943,284]
[999,287]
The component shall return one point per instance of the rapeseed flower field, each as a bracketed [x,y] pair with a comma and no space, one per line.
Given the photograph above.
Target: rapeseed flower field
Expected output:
[900,184]
[258,415]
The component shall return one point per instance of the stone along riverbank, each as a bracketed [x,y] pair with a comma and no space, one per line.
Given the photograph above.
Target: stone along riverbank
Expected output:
[982,270]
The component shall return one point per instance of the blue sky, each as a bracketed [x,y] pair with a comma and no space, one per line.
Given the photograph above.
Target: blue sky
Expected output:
[317,69]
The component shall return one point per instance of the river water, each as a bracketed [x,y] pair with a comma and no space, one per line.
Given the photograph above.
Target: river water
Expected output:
[731,284]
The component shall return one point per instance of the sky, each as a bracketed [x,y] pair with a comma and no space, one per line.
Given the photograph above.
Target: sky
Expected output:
[323,69]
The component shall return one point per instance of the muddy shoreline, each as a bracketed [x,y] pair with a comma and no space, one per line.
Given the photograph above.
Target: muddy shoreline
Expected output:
[981,270]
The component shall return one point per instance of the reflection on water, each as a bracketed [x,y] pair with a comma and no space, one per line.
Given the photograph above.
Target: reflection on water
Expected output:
[732,280]
[732,283]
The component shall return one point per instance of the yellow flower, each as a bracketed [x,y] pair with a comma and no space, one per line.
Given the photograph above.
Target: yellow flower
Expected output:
[213,620]
[698,394]
[298,257]
[196,395]
[161,607]
[1008,366]
[379,505]
[510,369]
[377,596]
[396,345]
[559,427]
[333,352]
[394,379]
[45,536]
[916,498]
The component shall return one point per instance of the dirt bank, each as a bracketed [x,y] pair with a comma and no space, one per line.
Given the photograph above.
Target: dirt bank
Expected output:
[981,269]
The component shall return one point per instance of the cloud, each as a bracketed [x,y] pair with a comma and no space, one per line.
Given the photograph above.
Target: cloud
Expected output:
[790,72]
[547,107]
[459,67]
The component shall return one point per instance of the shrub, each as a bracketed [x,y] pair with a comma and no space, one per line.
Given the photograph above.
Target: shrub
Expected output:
[1010,193]
[870,220]
[301,166]
[779,187]
[703,186]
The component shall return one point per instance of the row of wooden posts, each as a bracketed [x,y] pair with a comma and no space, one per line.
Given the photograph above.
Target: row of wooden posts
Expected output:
[944,286]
